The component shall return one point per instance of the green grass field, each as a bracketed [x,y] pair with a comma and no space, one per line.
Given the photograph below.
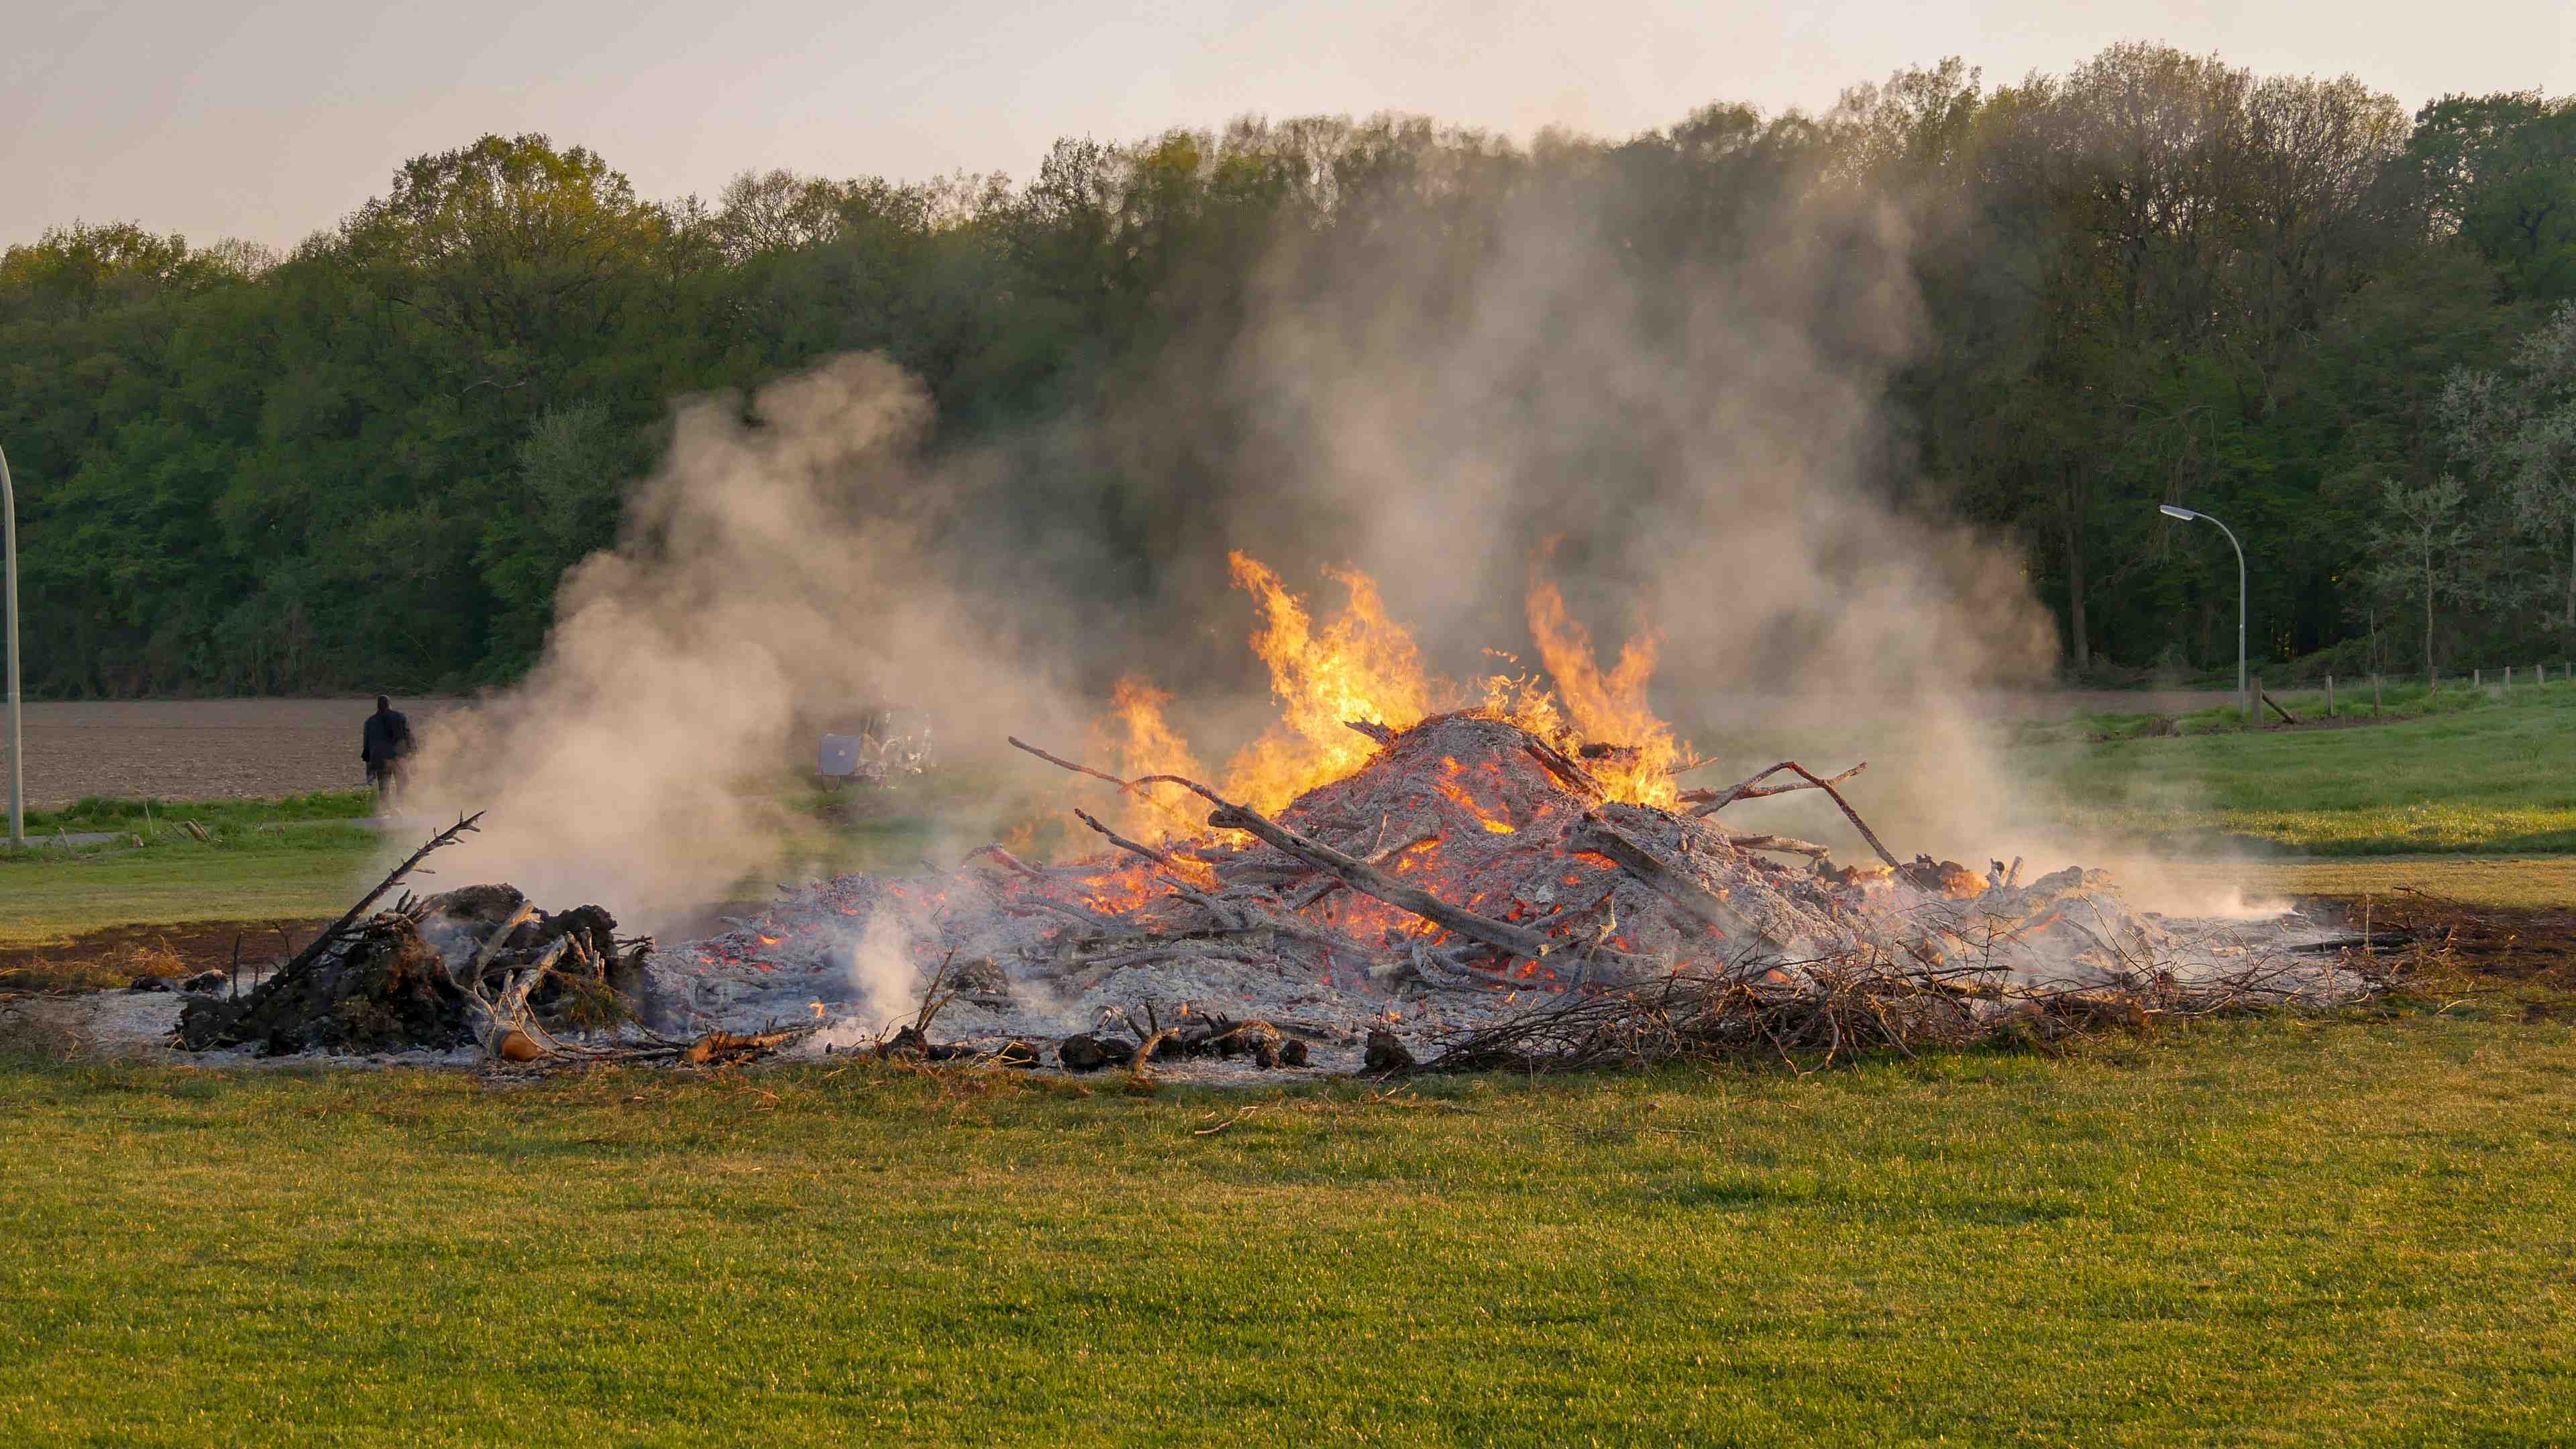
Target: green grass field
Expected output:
[259,861]
[2276,1232]
[2487,776]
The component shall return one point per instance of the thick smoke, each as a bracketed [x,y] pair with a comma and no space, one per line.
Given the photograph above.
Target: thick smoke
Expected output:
[781,569]
[1709,444]
[1441,394]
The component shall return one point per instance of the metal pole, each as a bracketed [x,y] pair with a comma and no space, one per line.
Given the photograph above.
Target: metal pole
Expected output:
[17,727]
[2244,701]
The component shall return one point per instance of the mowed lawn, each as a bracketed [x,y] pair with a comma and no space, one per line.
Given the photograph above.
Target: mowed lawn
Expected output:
[46,901]
[2284,1232]
[2493,780]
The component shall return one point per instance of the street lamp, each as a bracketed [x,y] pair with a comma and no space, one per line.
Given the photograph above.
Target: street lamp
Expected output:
[2244,704]
[17,731]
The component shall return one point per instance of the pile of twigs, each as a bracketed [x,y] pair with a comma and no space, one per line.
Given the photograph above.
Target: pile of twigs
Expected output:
[1811,1014]
[479,966]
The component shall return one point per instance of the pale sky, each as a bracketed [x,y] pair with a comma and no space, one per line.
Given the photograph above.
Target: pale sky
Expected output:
[270,119]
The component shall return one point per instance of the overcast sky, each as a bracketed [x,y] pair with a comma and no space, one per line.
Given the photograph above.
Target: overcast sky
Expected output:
[269,119]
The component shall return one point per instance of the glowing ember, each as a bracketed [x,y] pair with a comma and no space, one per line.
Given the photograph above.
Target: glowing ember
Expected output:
[1459,796]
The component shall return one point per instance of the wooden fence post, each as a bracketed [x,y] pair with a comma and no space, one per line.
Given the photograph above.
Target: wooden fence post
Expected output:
[2330,696]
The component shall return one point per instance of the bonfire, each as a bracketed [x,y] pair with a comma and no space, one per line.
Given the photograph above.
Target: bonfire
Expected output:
[1406,872]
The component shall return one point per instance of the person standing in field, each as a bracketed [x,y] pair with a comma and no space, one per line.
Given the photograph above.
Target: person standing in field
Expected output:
[382,744]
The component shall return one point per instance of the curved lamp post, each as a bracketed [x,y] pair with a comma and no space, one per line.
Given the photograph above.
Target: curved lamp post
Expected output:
[2186,515]
[17,733]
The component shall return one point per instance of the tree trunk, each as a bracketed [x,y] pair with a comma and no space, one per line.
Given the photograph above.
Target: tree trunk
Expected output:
[2074,521]
[2428,614]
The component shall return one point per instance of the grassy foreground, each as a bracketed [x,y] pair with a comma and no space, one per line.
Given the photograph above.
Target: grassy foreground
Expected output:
[2276,1232]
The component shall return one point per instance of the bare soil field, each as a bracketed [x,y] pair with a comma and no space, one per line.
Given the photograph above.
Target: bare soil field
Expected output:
[118,954]
[199,749]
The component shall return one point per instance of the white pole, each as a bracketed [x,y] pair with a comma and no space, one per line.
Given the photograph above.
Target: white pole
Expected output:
[17,728]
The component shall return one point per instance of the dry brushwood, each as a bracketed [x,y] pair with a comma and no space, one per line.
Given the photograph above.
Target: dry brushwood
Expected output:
[1483,879]
[480,966]
[1816,1013]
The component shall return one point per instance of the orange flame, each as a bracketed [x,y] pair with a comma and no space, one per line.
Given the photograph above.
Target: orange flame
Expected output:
[1361,666]
[1610,708]
[1134,739]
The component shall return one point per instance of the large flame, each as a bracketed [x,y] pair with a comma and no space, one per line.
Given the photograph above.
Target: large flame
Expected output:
[1610,708]
[1362,666]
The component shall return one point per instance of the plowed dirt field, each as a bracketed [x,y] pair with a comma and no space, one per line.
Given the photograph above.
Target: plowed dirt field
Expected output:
[198,749]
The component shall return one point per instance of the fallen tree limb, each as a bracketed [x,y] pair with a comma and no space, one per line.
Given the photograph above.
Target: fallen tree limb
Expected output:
[1848,812]
[1001,856]
[1601,838]
[1712,801]
[1786,845]
[1813,781]
[1122,842]
[1422,830]
[1065,764]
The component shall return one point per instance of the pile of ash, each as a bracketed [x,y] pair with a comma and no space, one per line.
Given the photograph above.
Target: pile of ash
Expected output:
[1473,889]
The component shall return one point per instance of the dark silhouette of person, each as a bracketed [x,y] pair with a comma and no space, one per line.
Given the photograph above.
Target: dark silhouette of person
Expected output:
[382,744]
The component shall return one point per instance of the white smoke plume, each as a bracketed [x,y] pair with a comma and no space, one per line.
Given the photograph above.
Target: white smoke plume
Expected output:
[776,569]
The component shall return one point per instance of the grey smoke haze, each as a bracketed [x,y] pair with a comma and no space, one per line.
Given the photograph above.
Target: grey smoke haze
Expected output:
[271,121]
[1712,450]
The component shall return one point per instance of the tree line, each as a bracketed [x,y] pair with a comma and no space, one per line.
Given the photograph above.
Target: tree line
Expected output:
[2349,333]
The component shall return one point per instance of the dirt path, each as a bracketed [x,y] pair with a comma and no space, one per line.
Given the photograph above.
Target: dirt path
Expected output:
[200,749]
